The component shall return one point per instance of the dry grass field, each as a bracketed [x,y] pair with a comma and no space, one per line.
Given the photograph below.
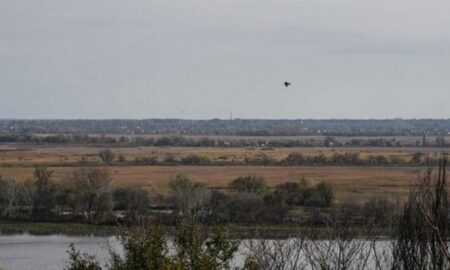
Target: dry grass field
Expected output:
[351,182]
[354,183]
[30,155]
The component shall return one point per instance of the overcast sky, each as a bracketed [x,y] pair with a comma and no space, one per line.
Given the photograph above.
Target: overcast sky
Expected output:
[206,58]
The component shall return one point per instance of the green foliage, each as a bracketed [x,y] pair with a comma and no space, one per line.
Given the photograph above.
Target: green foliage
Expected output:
[203,249]
[295,193]
[81,261]
[195,248]
[250,184]
[251,263]
[303,194]
[143,250]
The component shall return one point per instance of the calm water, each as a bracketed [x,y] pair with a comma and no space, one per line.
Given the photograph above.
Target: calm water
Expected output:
[29,252]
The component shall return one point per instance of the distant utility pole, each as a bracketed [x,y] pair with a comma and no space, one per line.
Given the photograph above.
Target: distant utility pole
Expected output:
[231,116]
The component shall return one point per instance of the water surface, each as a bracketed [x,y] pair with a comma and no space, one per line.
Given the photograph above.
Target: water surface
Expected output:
[30,252]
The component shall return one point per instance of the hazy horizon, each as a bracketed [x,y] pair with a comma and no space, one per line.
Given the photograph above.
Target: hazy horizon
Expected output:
[209,119]
[147,59]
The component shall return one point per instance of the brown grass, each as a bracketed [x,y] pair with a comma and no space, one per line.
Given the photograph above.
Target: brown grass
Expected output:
[351,183]
[29,155]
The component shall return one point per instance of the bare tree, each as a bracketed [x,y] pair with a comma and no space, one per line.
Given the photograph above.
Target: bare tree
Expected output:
[189,199]
[339,247]
[9,194]
[423,235]
[91,193]
[276,254]
[44,193]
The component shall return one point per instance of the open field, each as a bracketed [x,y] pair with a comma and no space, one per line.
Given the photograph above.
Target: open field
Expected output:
[31,155]
[350,182]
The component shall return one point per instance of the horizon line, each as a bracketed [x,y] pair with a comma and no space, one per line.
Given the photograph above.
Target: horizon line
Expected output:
[221,119]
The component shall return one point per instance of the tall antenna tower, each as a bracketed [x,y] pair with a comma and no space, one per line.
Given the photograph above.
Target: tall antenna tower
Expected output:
[231,116]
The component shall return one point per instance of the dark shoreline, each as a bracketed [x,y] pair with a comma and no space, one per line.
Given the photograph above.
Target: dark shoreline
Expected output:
[235,231]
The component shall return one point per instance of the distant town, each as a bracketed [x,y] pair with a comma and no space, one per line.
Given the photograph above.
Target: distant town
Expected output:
[238,127]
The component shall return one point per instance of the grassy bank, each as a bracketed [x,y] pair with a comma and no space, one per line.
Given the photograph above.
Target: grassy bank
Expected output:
[45,228]
[237,231]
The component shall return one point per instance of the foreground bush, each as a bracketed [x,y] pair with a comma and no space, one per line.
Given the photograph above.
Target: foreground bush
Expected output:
[81,261]
[194,248]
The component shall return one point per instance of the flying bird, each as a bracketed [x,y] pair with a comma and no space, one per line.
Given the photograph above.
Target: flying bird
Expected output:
[287,84]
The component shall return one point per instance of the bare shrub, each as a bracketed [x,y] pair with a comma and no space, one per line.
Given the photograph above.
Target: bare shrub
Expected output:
[423,235]
[285,254]
[106,155]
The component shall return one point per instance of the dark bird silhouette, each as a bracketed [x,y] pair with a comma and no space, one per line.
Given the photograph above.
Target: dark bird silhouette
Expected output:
[287,84]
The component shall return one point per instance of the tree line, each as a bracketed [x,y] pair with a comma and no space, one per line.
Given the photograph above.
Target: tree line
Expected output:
[185,141]
[108,157]
[87,196]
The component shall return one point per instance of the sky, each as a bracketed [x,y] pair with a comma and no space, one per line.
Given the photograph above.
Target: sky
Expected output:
[202,59]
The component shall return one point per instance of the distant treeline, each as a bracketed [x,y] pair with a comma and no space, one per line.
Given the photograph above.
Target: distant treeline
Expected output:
[293,159]
[86,196]
[243,127]
[185,141]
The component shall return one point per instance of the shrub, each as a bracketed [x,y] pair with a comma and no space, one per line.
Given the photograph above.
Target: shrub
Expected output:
[195,248]
[122,158]
[378,211]
[250,184]
[134,201]
[106,155]
[326,193]
[81,261]
[146,160]
[194,160]
[189,200]
[245,208]
[261,159]
[294,159]
[417,157]
[295,193]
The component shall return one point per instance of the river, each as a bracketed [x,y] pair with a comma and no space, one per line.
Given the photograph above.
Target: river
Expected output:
[30,252]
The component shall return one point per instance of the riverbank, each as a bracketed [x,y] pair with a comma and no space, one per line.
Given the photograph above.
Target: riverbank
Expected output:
[236,231]
[47,228]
